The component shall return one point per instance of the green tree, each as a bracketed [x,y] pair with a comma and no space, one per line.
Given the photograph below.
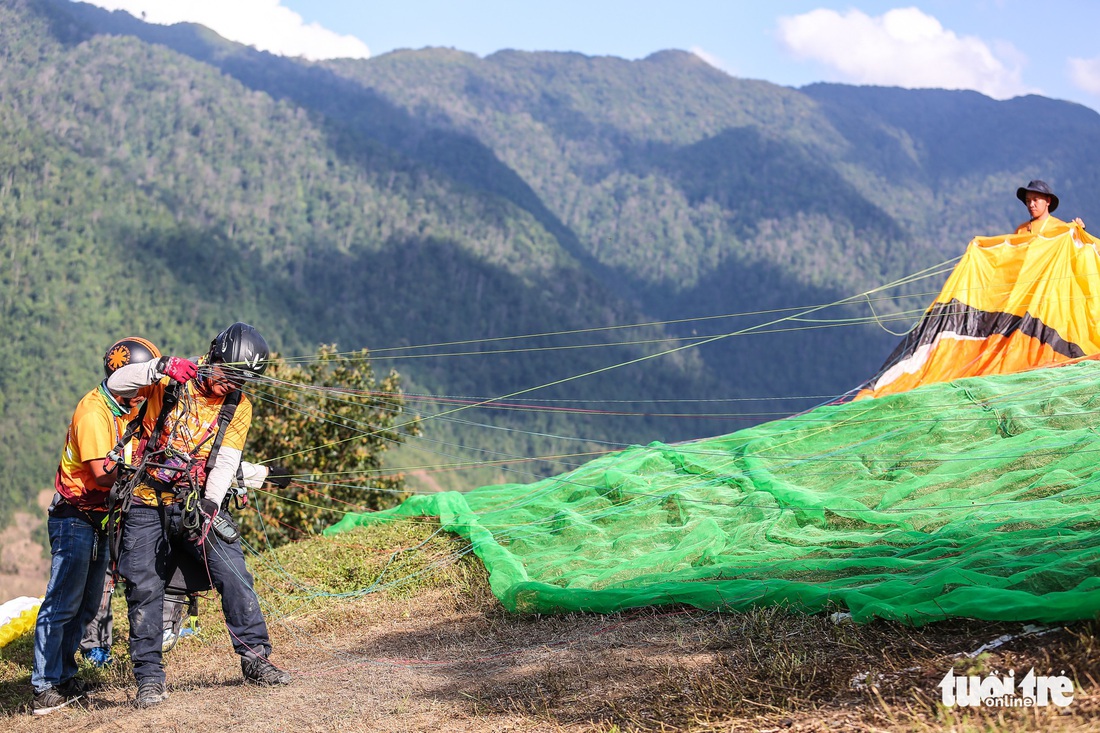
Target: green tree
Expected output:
[327,421]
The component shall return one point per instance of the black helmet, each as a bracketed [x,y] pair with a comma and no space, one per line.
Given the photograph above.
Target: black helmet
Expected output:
[130,350]
[241,348]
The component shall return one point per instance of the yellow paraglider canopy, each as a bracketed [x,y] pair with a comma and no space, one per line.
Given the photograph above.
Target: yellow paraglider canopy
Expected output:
[1014,302]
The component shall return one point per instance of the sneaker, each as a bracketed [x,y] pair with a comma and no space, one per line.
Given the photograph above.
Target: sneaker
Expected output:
[168,641]
[51,699]
[99,657]
[73,687]
[259,671]
[150,693]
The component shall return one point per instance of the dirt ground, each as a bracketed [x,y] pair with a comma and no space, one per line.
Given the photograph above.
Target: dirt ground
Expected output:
[437,662]
[440,654]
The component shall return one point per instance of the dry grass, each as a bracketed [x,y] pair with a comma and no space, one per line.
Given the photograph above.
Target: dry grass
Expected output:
[436,652]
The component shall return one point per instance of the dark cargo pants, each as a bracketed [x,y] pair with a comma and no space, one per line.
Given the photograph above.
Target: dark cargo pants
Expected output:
[100,630]
[152,540]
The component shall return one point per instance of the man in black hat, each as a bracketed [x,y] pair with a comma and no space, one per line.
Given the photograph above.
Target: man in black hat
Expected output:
[1041,203]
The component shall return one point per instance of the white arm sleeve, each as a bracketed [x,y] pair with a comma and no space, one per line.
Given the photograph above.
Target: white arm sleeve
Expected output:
[222,474]
[127,380]
[254,474]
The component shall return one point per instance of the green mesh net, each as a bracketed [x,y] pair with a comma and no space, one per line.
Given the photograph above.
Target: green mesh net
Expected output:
[977,498]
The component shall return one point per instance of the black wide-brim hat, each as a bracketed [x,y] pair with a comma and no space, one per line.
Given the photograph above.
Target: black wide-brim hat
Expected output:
[1038,187]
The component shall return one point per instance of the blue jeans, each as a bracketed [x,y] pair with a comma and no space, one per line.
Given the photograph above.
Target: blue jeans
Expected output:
[151,539]
[77,571]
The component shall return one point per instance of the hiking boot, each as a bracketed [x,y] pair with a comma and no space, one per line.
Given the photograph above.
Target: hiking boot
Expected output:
[52,699]
[150,693]
[258,670]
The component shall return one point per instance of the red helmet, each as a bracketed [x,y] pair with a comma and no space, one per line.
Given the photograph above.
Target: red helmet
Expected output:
[130,350]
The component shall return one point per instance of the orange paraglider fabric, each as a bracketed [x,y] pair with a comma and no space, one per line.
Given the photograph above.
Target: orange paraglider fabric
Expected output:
[1014,302]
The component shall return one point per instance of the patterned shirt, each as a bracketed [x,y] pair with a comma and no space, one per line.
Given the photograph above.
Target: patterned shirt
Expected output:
[188,435]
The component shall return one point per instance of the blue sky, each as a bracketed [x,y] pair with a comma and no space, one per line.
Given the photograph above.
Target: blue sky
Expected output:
[1003,48]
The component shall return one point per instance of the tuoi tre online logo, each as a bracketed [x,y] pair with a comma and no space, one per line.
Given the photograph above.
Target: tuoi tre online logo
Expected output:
[993,691]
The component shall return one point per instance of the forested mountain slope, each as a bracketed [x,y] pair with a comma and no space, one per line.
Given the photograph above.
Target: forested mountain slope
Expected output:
[145,192]
[164,181]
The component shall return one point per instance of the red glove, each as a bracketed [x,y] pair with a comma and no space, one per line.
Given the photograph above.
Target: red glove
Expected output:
[177,368]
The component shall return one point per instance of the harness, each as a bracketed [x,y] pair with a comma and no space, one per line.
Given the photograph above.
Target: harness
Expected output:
[166,461]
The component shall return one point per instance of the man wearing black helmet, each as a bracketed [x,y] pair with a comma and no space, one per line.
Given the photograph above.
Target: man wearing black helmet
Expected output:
[1041,202]
[76,527]
[195,429]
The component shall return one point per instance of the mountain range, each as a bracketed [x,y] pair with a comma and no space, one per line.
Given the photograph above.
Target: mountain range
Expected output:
[163,181]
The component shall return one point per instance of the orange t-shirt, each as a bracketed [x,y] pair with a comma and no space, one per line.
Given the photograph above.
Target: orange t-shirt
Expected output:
[93,432]
[1050,222]
[189,430]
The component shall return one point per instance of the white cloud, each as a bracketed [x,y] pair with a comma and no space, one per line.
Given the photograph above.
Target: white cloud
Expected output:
[1085,74]
[713,60]
[903,47]
[264,24]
